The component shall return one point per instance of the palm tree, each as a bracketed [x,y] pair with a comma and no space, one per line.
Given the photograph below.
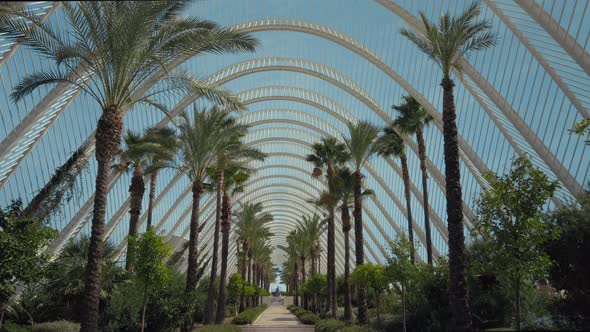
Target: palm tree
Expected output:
[251,225]
[230,154]
[412,119]
[234,181]
[145,154]
[134,156]
[112,50]
[359,145]
[446,44]
[392,144]
[166,145]
[297,247]
[311,229]
[200,141]
[328,153]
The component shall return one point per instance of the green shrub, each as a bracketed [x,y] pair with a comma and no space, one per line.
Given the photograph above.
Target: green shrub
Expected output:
[248,316]
[299,311]
[9,326]
[356,328]
[308,318]
[219,328]
[329,325]
[388,322]
[291,306]
[57,326]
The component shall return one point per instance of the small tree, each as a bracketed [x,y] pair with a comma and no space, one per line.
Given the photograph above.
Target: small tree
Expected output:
[21,238]
[234,289]
[401,268]
[510,213]
[317,284]
[151,270]
[373,276]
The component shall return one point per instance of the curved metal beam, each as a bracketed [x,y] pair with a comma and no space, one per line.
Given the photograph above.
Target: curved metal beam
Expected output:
[542,151]
[559,34]
[540,58]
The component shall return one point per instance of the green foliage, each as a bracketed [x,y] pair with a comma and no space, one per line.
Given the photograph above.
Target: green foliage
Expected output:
[329,325]
[356,328]
[234,287]
[219,328]
[306,317]
[249,315]
[21,239]
[58,326]
[369,274]
[152,250]
[570,255]
[9,326]
[510,216]
[582,128]
[316,284]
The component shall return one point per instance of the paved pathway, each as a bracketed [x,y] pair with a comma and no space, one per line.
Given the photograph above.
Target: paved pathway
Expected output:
[277,319]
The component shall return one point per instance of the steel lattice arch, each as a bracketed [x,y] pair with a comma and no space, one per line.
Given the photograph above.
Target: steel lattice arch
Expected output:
[322,64]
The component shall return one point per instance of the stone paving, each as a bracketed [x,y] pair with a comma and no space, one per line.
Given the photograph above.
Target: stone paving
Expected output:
[277,318]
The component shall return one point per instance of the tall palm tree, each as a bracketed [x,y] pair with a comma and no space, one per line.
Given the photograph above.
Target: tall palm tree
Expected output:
[251,225]
[327,154]
[311,229]
[167,145]
[412,119]
[297,247]
[446,43]
[234,181]
[111,50]
[134,156]
[360,148]
[233,152]
[392,144]
[145,154]
[201,138]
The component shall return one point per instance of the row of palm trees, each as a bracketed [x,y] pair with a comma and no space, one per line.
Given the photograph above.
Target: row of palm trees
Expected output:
[126,53]
[254,249]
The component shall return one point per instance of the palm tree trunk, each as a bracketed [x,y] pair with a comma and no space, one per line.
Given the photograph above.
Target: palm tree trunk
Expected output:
[304,279]
[422,155]
[137,189]
[152,196]
[458,297]
[209,317]
[404,160]
[108,141]
[295,283]
[331,249]
[359,246]
[193,251]
[225,228]
[243,272]
[346,229]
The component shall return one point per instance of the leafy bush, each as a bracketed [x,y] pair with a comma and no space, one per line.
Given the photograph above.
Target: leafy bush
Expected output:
[387,322]
[9,326]
[219,328]
[329,325]
[356,328]
[308,318]
[248,316]
[57,326]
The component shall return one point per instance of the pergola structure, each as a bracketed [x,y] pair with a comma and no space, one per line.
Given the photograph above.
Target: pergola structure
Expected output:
[321,64]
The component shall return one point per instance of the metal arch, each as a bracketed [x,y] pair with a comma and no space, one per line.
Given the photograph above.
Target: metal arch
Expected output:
[353,45]
[356,47]
[539,56]
[561,173]
[554,29]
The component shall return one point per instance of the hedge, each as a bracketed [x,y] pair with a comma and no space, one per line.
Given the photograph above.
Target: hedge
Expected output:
[57,326]
[248,316]
[219,328]
[329,325]
[306,317]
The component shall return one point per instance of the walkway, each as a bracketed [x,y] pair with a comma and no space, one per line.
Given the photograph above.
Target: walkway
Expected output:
[277,319]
